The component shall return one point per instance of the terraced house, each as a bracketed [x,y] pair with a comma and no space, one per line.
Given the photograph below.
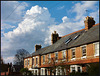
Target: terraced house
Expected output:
[72,52]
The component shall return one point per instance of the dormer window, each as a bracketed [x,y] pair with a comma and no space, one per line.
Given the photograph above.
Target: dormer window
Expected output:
[68,40]
[76,37]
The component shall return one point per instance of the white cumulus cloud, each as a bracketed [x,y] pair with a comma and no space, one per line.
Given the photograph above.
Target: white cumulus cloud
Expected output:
[29,32]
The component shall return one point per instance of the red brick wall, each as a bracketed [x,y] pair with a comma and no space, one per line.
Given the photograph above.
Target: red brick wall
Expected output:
[90,50]
[78,52]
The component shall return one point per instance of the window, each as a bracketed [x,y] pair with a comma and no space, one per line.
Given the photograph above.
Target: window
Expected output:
[68,40]
[42,71]
[25,62]
[73,69]
[49,58]
[84,51]
[97,48]
[76,37]
[78,68]
[43,59]
[35,72]
[64,54]
[28,62]
[56,56]
[73,53]
[36,60]
[33,61]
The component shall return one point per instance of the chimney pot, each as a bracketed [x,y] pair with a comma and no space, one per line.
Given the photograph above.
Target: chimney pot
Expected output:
[89,22]
[37,47]
[54,37]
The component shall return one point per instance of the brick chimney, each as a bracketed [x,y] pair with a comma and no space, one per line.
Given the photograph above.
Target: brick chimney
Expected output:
[89,22]
[37,47]
[54,37]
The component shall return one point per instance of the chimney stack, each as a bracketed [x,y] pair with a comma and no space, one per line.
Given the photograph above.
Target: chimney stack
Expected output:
[54,37]
[89,22]
[37,47]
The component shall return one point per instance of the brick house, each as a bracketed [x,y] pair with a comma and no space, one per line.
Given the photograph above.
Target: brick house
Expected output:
[73,51]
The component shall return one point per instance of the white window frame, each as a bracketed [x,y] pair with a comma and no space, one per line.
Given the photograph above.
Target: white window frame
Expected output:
[42,71]
[76,68]
[55,57]
[64,54]
[43,59]
[37,61]
[28,61]
[96,49]
[25,62]
[84,57]
[72,53]
[32,61]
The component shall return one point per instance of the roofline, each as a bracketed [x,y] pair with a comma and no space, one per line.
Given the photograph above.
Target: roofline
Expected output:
[27,57]
[73,32]
[78,31]
[96,24]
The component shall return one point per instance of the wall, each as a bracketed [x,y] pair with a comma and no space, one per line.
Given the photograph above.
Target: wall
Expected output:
[90,50]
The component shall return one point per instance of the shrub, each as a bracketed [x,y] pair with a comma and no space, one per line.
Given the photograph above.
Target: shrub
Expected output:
[25,71]
[93,70]
[79,74]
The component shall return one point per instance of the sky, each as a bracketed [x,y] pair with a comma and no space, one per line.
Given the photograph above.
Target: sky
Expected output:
[27,23]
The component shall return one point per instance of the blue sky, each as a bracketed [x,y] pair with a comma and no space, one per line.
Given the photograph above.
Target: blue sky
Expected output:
[32,22]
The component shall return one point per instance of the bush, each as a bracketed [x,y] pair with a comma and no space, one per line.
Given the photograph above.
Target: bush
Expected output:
[93,70]
[79,74]
[25,71]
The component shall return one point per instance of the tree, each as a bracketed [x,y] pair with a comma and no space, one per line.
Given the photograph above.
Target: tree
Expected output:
[19,56]
[60,68]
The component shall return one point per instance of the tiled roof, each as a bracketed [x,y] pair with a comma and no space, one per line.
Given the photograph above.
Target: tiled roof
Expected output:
[60,43]
[92,35]
[38,52]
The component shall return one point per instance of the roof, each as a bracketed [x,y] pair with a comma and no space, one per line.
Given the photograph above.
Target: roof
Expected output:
[59,44]
[38,52]
[92,35]
[84,37]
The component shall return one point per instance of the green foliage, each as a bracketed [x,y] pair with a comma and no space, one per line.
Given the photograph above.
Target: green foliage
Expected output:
[25,71]
[79,74]
[93,70]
